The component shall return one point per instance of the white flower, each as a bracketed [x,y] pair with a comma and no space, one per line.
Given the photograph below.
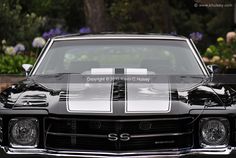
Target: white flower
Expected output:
[10,50]
[4,42]
[38,42]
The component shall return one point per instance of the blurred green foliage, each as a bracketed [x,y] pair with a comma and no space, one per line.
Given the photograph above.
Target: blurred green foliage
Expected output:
[68,14]
[17,26]
[13,64]
[222,53]
[222,49]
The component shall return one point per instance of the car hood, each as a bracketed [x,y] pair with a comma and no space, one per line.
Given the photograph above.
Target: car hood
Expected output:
[63,94]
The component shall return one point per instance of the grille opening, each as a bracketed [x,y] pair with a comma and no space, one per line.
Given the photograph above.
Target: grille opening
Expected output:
[92,134]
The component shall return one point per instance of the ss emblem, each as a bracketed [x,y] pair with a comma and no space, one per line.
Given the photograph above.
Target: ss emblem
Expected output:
[115,137]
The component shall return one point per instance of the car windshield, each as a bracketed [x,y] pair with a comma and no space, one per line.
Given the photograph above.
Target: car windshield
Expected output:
[171,57]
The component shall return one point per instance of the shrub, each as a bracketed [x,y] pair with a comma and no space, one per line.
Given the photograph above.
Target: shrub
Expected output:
[12,64]
[222,53]
[17,26]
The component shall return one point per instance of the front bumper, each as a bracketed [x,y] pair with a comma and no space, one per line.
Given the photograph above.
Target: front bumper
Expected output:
[188,153]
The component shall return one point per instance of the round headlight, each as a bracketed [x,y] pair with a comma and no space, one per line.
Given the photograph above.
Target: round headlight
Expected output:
[24,132]
[214,132]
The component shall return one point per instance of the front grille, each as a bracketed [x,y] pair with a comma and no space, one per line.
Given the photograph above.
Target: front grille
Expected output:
[144,134]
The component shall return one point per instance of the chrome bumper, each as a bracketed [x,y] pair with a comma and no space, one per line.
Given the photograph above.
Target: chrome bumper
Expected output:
[10,152]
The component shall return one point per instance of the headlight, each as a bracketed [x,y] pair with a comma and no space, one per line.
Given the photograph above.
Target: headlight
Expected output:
[23,132]
[214,132]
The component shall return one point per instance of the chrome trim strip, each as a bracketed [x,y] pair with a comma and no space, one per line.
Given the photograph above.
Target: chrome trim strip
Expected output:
[161,135]
[39,60]
[1,130]
[191,41]
[119,37]
[134,154]
[132,136]
[77,134]
[197,58]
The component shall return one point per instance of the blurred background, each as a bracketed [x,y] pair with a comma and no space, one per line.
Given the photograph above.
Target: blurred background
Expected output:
[25,25]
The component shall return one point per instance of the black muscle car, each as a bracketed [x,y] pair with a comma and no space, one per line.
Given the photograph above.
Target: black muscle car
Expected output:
[118,95]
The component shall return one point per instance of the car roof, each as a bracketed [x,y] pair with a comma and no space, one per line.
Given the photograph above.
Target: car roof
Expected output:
[119,36]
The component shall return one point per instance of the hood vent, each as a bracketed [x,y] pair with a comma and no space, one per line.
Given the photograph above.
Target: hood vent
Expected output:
[10,102]
[37,100]
[63,95]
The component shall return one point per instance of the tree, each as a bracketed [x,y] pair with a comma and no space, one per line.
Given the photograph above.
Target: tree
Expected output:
[166,16]
[95,15]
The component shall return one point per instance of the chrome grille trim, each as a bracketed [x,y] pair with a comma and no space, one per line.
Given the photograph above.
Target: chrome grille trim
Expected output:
[77,135]
[161,135]
[132,136]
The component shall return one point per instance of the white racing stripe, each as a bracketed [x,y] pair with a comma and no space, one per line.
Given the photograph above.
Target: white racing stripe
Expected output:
[148,98]
[102,71]
[89,98]
[136,71]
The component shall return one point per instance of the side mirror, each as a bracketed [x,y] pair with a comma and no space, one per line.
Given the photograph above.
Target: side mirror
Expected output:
[27,68]
[214,69]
